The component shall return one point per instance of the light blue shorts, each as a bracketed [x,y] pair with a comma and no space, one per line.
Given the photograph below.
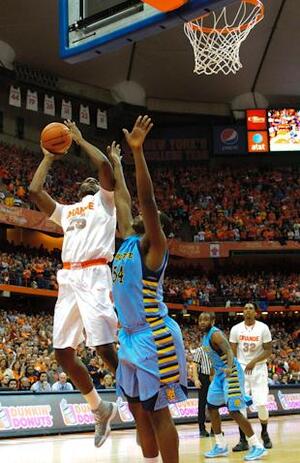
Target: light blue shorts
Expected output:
[228,391]
[139,373]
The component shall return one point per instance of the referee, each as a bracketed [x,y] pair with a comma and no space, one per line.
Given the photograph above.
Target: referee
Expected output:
[202,370]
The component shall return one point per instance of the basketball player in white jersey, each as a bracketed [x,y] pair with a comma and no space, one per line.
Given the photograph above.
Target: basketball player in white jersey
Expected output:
[84,309]
[251,342]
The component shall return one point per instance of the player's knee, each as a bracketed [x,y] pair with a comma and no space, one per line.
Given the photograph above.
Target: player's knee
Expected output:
[211,408]
[263,413]
[65,357]
[234,414]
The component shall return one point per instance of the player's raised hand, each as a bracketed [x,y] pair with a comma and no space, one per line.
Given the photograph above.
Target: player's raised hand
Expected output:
[114,153]
[136,137]
[75,132]
[48,155]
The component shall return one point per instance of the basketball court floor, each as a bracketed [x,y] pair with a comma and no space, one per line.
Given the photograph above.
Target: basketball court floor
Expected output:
[121,446]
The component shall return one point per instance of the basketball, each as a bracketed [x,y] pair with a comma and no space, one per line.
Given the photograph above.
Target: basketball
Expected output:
[56,138]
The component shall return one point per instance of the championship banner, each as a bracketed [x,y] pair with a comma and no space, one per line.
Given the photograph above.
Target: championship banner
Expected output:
[49,105]
[66,109]
[84,115]
[32,101]
[27,413]
[15,96]
[101,119]
[27,218]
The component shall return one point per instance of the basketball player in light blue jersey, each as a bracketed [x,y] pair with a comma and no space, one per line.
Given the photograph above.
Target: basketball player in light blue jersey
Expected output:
[226,389]
[152,368]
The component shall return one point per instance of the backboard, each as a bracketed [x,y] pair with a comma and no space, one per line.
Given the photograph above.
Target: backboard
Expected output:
[89,28]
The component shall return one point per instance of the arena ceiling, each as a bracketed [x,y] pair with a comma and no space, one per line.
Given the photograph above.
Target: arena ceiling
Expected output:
[163,64]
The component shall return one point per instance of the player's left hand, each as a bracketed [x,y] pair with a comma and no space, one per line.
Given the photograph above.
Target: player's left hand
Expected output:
[227,371]
[75,132]
[249,368]
[136,137]
[114,153]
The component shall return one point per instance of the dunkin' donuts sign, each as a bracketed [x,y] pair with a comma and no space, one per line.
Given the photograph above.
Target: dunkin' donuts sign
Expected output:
[26,417]
[76,414]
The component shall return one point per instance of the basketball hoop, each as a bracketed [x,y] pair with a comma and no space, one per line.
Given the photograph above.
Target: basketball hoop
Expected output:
[216,38]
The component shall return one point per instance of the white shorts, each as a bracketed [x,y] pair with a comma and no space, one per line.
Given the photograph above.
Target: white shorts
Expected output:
[84,308]
[256,384]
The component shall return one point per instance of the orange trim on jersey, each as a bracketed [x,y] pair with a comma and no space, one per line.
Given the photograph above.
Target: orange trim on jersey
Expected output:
[86,263]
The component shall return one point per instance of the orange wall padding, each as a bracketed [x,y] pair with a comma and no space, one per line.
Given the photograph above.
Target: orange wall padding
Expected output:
[166,5]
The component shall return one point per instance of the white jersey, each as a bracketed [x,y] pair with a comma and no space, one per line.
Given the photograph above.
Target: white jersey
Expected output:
[250,340]
[89,227]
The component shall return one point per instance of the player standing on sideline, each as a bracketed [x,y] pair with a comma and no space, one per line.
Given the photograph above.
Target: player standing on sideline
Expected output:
[251,342]
[152,368]
[84,297]
[226,388]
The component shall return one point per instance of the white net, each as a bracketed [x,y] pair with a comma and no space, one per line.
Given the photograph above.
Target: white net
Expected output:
[216,39]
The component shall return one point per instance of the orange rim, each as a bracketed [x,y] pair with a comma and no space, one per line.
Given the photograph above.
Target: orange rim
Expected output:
[227,30]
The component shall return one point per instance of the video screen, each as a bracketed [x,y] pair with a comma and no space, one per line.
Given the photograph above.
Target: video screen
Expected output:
[284,129]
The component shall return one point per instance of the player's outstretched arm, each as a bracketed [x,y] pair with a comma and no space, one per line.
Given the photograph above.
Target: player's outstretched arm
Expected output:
[154,242]
[99,160]
[122,195]
[36,192]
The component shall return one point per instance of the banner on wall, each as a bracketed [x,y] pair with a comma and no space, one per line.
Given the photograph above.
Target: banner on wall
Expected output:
[179,144]
[27,218]
[84,115]
[214,250]
[66,109]
[15,96]
[229,139]
[205,250]
[25,414]
[49,105]
[102,119]
[32,100]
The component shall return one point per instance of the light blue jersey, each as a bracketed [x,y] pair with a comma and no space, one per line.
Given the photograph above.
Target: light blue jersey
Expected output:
[152,364]
[218,359]
[224,390]
[137,291]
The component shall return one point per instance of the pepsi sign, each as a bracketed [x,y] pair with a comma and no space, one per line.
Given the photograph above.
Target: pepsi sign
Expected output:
[229,140]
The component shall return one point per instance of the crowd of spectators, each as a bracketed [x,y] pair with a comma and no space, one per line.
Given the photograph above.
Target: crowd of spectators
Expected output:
[230,289]
[224,204]
[37,267]
[27,360]
[27,266]
[17,167]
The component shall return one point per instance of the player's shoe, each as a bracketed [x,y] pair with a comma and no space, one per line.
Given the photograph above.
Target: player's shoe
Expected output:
[217,451]
[103,415]
[266,440]
[255,453]
[241,446]
[203,433]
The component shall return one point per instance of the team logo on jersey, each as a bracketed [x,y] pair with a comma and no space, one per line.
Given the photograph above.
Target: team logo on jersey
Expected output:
[229,137]
[170,393]
[237,403]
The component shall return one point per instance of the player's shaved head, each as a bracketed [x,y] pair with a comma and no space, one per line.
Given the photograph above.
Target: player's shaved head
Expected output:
[206,320]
